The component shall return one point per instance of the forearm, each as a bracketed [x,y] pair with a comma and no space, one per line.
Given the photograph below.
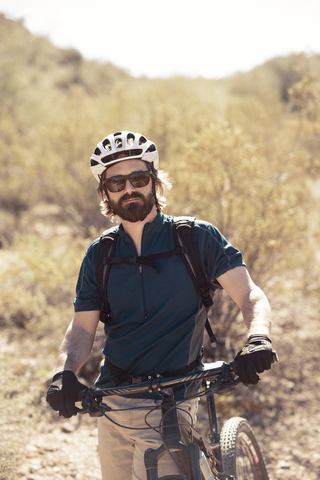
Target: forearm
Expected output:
[75,348]
[256,313]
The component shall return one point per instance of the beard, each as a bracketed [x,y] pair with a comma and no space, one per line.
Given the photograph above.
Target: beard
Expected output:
[135,211]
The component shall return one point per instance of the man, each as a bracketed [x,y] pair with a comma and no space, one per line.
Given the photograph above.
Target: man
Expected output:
[156,319]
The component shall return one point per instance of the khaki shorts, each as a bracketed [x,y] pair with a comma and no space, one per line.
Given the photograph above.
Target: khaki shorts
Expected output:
[121,450]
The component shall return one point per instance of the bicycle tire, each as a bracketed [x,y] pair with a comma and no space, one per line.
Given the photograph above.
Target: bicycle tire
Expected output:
[240,451]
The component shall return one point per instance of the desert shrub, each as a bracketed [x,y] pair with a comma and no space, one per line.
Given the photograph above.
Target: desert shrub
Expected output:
[39,274]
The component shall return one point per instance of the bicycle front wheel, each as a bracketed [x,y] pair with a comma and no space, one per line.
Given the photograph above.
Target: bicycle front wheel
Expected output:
[241,454]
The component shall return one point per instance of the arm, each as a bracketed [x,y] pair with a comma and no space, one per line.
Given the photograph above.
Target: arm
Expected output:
[250,299]
[256,356]
[74,351]
[77,343]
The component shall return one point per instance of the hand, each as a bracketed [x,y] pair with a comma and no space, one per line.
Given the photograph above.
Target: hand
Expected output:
[255,357]
[63,391]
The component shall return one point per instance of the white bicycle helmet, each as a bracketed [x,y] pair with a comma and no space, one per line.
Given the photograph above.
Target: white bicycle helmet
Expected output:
[121,146]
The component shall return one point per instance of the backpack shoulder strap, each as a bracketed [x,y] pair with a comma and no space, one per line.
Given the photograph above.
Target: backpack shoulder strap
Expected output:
[185,238]
[106,249]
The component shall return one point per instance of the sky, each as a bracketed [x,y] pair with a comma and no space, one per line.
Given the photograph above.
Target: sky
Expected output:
[207,38]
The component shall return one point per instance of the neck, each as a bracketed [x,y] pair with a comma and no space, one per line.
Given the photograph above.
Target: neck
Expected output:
[135,229]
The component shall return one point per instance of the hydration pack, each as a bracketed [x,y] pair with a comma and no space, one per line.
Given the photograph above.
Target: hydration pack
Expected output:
[185,247]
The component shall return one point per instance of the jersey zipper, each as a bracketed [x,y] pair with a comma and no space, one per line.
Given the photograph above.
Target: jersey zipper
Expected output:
[143,293]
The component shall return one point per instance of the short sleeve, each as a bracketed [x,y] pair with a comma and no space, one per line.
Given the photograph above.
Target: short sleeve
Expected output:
[218,255]
[87,289]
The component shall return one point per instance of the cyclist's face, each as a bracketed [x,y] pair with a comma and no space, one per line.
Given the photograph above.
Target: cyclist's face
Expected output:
[131,204]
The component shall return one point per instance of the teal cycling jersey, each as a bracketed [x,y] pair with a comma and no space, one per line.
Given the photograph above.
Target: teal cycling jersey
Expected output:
[157,317]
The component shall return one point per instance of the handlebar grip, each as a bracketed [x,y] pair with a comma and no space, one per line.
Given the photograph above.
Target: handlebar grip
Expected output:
[274,359]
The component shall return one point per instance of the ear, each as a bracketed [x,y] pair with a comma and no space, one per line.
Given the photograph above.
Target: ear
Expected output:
[156,186]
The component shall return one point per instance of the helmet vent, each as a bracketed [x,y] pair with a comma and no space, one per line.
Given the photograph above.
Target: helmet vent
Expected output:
[97,151]
[142,140]
[106,144]
[135,152]
[152,148]
[130,139]
[93,163]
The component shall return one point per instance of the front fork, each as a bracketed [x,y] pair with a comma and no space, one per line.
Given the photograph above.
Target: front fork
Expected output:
[190,453]
[171,437]
[215,436]
[214,432]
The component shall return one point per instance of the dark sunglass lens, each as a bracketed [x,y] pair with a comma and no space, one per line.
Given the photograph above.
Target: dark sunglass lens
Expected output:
[115,184]
[139,179]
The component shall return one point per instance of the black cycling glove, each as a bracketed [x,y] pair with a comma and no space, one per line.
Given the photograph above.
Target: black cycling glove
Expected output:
[63,392]
[255,357]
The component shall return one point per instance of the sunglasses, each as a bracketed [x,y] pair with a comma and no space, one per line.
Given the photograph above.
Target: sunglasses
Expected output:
[118,182]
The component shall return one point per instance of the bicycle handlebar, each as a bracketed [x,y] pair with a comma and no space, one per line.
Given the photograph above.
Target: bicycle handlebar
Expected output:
[159,384]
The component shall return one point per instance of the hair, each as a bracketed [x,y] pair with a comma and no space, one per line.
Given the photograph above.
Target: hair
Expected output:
[158,177]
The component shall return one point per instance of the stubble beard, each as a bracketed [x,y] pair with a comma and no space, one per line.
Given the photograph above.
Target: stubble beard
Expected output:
[133,211]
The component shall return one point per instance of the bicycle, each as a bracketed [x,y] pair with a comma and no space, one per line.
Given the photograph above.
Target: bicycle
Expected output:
[234,453]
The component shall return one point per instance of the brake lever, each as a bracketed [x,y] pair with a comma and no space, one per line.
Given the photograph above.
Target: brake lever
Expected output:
[95,408]
[225,382]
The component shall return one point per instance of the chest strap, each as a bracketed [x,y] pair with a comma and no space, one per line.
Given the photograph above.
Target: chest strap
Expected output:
[120,376]
[148,261]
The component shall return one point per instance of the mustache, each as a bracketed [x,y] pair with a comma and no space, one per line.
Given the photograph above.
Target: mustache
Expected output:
[126,196]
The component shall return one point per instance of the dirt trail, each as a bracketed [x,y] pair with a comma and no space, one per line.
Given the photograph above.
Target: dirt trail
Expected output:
[64,450]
